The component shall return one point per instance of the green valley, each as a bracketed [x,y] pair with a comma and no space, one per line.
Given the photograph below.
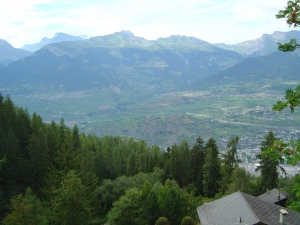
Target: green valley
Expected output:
[169,118]
[159,91]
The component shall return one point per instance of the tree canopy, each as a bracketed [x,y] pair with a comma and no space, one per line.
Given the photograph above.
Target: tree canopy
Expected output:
[289,150]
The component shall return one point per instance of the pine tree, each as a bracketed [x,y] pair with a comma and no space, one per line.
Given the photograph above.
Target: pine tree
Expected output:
[240,181]
[230,162]
[171,201]
[75,139]
[26,210]
[126,210]
[70,205]
[13,174]
[2,197]
[232,152]
[185,164]
[198,155]
[131,166]
[211,143]
[24,130]
[150,208]
[268,167]
[211,169]
[39,161]
[88,176]
[52,135]
[65,161]
[172,206]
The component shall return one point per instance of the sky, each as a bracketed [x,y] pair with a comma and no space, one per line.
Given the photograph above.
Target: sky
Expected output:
[215,21]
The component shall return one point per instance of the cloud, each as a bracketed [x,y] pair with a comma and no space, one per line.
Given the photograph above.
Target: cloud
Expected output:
[228,21]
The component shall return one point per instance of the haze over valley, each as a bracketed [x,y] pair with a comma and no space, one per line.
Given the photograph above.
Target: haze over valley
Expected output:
[161,91]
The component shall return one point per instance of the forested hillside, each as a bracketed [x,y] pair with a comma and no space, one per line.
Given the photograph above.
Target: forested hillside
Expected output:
[53,174]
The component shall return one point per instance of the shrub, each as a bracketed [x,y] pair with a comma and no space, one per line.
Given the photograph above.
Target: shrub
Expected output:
[187,221]
[162,221]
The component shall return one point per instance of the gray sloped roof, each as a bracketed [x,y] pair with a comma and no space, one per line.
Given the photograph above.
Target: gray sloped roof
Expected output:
[272,195]
[227,211]
[252,210]
[268,213]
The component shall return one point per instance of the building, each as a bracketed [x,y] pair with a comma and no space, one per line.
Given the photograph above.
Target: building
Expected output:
[242,209]
[274,196]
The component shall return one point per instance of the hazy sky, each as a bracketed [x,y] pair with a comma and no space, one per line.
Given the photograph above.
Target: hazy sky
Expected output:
[215,21]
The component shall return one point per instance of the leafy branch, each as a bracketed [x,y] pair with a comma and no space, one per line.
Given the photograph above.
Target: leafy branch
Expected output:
[288,47]
[284,150]
[291,13]
[292,98]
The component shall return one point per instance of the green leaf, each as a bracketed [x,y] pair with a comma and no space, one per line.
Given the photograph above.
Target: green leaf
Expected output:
[288,47]
[292,98]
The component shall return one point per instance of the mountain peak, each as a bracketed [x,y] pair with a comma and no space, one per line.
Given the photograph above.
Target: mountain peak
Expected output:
[119,39]
[181,38]
[8,53]
[186,42]
[4,43]
[127,33]
[263,45]
[57,34]
[58,37]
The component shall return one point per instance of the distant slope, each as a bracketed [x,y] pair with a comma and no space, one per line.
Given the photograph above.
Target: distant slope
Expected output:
[264,45]
[120,59]
[162,91]
[273,71]
[58,37]
[9,54]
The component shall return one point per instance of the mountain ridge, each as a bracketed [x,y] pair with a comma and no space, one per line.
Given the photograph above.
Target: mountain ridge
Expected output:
[9,54]
[161,91]
[93,59]
[58,37]
[273,72]
[263,45]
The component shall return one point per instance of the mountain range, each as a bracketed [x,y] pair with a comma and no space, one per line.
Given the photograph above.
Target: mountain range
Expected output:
[257,47]
[120,59]
[265,70]
[262,46]
[58,37]
[9,54]
[161,91]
